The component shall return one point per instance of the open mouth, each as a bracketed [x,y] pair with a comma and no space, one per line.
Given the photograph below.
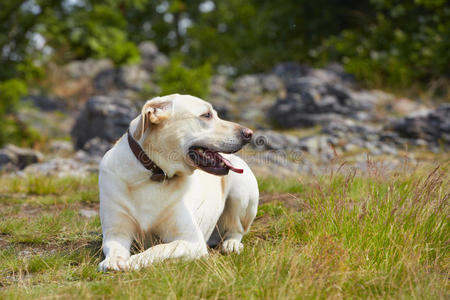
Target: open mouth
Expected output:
[211,161]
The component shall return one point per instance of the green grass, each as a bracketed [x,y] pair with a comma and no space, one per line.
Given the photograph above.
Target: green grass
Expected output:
[341,236]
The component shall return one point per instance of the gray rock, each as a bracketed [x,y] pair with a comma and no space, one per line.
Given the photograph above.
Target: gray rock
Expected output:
[87,158]
[433,126]
[271,140]
[300,110]
[313,94]
[13,157]
[298,85]
[288,70]
[151,57]
[373,149]
[61,147]
[247,85]
[87,68]
[45,102]
[332,74]
[148,49]
[61,167]
[97,147]
[105,81]
[271,83]
[218,90]
[317,145]
[310,102]
[88,213]
[104,117]
[387,149]
[220,80]
[131,77]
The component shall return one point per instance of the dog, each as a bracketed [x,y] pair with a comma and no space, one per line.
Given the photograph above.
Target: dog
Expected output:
[173,175]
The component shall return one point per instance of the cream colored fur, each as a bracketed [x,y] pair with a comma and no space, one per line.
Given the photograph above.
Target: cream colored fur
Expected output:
[187,211]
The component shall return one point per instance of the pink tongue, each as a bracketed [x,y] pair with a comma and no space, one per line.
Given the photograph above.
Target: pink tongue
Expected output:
[230,166]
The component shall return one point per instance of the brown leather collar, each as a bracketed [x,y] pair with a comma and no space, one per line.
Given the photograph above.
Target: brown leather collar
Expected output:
[157,173]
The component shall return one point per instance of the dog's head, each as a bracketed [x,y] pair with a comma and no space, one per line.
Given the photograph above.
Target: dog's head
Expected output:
[181,133]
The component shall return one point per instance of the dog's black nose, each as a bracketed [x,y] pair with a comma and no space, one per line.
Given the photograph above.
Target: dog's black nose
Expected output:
[246,134]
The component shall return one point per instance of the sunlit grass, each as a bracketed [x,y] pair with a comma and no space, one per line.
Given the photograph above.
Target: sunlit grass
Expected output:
[353,236]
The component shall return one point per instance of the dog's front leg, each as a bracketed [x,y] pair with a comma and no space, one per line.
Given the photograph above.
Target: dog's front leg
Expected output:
[118,233]
[183,238]
[116,250]
[117,226]
[239,212]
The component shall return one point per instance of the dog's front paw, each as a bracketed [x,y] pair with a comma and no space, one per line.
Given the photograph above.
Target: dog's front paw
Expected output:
[139,261]
[114,263]
[231,245]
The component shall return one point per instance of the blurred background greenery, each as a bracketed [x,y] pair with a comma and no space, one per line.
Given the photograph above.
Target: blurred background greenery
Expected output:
[392,44]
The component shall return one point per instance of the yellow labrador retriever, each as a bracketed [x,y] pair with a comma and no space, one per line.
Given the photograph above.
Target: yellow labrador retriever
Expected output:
[169,176]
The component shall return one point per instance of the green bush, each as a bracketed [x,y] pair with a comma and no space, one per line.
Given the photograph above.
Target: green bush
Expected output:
[404,43]
[176,78]
[10,93]
[11,129]
[99,33]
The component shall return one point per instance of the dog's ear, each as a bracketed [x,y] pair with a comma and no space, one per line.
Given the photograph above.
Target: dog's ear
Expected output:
[153,112]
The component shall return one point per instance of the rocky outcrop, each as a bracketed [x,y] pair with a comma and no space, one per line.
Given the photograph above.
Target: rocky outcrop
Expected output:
[334,139]
[431,126]
[103,117]
[292,96]
[13,157]
[333,73]
[313,100]
[316,96]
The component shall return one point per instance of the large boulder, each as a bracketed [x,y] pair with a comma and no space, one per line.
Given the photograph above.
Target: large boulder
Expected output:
[304,110]
[13,157]
[433,126]
[315,98]
[104,117]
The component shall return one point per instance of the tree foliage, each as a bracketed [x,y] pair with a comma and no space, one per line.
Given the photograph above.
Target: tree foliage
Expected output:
[176,78]
[395,42]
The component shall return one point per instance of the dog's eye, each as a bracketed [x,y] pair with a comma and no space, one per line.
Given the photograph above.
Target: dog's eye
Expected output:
[208,115]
